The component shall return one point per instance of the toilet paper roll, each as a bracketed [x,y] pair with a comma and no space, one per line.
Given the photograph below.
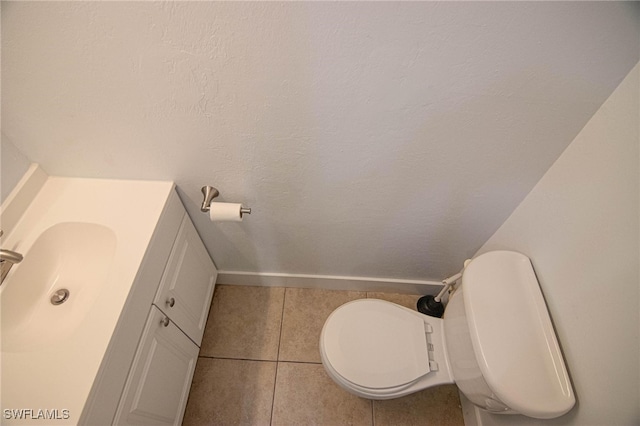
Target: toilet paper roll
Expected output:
[225,212]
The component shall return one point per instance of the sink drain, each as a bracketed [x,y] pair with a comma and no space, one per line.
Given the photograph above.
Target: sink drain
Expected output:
[60,296]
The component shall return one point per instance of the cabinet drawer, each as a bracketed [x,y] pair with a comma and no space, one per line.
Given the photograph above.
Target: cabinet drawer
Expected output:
[187,285]
[160,378]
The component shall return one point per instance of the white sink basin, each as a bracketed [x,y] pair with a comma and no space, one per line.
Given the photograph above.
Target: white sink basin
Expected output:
[88,236]
[74,256]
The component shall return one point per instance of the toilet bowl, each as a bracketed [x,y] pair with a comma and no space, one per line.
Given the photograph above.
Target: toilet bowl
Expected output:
[495,342]
[380,350]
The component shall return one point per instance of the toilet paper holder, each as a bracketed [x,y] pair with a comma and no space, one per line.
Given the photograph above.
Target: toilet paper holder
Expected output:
[209,193]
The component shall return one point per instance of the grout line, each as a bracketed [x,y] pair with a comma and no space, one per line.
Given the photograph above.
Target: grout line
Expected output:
[275,379]
[373,413]
[273,397]
[260,360]
[284,300]
[237,359]
[301,362]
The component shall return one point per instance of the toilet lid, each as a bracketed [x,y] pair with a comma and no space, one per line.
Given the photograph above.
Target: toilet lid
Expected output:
[376,344]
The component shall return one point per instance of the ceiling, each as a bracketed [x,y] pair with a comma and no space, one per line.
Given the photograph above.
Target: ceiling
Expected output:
[383,140]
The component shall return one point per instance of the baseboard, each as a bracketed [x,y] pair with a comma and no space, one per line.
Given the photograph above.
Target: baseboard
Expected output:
[328,282]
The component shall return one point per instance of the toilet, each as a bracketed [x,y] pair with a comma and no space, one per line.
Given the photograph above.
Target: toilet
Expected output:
[496,342]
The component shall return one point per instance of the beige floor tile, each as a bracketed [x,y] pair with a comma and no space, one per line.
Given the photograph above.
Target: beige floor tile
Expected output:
[244,322]
[305,395]
[406,300]
[438,406]
[305,311]
[231,392]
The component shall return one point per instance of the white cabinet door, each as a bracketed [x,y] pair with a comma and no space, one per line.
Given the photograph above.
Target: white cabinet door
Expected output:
[160,378]
[187,285]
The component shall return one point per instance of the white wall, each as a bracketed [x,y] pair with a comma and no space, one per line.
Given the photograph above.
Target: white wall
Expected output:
[13,166]
[580,227]
[380,139]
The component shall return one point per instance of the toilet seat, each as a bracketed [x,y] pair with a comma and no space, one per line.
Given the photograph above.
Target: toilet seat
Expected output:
[376,346]
[370,393]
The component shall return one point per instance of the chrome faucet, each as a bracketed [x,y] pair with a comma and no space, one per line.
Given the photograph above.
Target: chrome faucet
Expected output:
[8,258]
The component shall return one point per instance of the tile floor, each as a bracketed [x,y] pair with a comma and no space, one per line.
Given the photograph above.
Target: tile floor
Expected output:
[259,365]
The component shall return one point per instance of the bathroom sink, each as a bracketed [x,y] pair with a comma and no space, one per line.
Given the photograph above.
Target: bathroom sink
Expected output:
[88,237]
[72,256]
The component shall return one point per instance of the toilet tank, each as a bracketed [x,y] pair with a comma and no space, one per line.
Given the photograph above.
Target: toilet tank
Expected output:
[502,347]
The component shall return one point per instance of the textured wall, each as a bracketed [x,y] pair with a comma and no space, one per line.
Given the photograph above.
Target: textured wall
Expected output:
[371,139]
[580,227]
[14,164]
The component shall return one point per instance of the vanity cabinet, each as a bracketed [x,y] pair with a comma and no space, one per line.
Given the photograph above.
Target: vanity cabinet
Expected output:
[158,385]
[159,382]
[187,285]
[146,373]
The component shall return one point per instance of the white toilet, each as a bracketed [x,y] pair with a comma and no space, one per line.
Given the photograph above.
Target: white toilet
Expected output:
[496,342]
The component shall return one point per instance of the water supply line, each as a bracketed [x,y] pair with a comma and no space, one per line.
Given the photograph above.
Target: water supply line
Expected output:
[447,283]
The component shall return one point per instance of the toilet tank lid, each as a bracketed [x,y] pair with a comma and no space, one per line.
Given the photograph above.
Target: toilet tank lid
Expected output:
[513,337]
